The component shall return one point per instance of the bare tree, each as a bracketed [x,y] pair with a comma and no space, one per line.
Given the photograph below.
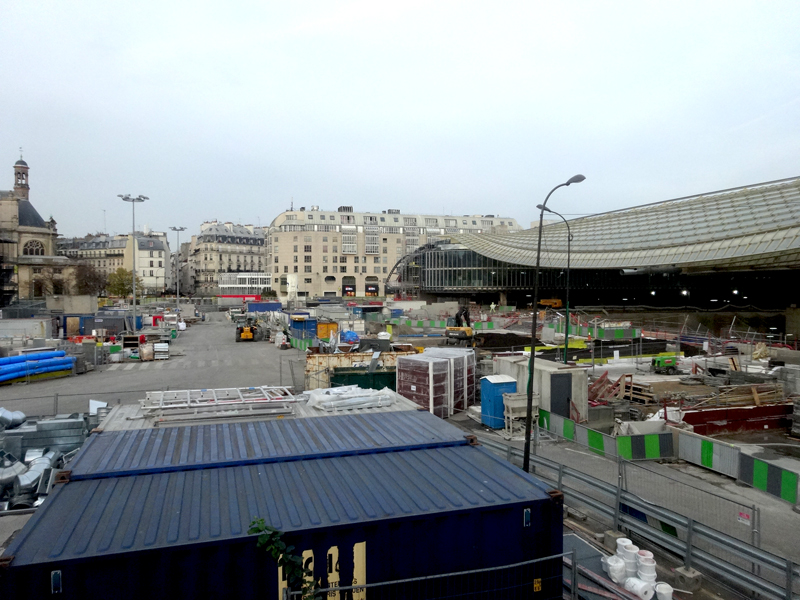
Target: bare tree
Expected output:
[89,280]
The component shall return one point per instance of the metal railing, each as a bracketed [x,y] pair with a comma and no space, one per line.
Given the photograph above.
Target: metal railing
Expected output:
[537,578]
[697,544]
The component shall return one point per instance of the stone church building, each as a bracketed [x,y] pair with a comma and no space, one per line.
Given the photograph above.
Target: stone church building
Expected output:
[29,265]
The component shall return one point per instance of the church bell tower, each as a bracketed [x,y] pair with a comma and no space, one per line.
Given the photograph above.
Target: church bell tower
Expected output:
[21,188]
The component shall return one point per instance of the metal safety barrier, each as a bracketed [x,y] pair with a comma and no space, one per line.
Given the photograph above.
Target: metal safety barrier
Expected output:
[770,575]
[541,578]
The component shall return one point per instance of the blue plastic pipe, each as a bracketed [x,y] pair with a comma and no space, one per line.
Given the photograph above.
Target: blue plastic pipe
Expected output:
[26,366]
[39,368]
[10,360]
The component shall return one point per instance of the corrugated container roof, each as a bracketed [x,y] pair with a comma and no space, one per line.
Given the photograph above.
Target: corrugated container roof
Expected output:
[116,453]
[84,519]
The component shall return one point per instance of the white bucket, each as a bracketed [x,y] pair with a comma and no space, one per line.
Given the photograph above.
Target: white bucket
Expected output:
[629,552]
[647,565]
[649,577]
[644,554]
[621,543]
[663,591]
[643,589]
[630,568]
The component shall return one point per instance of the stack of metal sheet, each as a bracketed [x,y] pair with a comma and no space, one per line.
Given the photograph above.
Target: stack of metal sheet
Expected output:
[161,351]
[796,419]
[64,433]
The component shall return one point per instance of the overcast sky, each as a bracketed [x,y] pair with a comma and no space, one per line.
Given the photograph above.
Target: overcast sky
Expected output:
[229,110]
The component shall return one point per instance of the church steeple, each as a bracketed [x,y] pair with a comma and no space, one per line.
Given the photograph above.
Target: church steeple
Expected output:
[21,188]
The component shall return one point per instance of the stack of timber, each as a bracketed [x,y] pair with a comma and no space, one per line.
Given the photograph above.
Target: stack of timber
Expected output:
[639,392]
[750,394]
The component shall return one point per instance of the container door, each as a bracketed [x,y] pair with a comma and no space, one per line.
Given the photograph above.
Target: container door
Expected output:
[560,393]
[73,326]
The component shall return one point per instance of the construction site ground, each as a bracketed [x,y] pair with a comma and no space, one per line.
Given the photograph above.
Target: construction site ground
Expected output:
[206,355]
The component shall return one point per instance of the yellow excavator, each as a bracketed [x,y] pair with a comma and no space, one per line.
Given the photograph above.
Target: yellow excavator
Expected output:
[459,330]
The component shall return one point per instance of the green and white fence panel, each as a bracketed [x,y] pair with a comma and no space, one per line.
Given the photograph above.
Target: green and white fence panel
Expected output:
[300,344]
[709,453]
[768,478]
[649,446]
[597,442]
[419,323]
[483,325]
[601,333]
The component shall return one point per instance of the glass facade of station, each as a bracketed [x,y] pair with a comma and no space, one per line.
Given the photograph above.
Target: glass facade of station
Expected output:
[455,268]
[452,270]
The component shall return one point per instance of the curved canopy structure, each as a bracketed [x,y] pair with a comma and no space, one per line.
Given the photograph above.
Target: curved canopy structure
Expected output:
[752,227]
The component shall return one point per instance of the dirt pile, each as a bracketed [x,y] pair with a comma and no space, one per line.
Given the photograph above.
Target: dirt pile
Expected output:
[503,341]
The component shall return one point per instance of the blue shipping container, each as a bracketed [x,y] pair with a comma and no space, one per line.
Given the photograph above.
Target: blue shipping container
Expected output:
[139,451]
[263,306]
[492,407]
[303,328]
[369,515]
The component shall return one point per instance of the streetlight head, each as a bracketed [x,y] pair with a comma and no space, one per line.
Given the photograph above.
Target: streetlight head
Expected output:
[543,207]
[576,179]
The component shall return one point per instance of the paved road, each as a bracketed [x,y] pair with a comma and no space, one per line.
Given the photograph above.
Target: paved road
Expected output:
[204,356]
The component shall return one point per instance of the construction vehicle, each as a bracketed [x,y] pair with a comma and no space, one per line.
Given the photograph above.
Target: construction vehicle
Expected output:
[459,330]
[552,302]
[666,365]
[248,331]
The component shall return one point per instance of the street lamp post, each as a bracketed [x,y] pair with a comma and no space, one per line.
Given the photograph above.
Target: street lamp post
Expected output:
[178,269]
[526,460]
[569,252]
[133,201]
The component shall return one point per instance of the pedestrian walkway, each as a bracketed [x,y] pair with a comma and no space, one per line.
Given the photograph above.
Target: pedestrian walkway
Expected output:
[183,363]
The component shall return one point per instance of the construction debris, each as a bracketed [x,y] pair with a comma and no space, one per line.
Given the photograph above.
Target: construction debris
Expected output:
[750,394]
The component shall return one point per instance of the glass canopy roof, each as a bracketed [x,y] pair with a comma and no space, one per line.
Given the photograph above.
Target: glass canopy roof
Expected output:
[756,226]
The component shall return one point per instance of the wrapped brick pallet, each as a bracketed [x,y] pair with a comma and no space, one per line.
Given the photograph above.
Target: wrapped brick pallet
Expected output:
[462,375]
[425,380]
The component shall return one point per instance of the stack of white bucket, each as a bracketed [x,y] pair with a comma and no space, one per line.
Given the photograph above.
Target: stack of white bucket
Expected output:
[636,570]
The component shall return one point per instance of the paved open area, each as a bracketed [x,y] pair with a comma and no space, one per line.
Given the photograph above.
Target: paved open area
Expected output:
[204,356]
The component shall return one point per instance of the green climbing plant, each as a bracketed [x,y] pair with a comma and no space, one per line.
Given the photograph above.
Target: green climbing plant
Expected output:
[297,576]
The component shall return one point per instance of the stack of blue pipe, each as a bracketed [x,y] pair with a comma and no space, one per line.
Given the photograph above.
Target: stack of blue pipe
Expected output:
[17,367]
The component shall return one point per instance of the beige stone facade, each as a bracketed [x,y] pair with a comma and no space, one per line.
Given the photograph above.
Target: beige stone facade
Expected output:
[29,265]
[344,253]
[222,248]
[109,253]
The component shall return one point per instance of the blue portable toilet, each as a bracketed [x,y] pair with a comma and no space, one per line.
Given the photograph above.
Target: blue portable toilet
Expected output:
[492,408]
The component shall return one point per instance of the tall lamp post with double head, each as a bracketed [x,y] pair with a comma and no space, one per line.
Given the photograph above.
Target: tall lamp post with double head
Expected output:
[133,201]
[569,252]
[526,460]
[178,268]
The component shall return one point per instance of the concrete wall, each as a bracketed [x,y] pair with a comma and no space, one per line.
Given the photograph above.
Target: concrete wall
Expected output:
[517,367]
[74,305]
[33,328]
